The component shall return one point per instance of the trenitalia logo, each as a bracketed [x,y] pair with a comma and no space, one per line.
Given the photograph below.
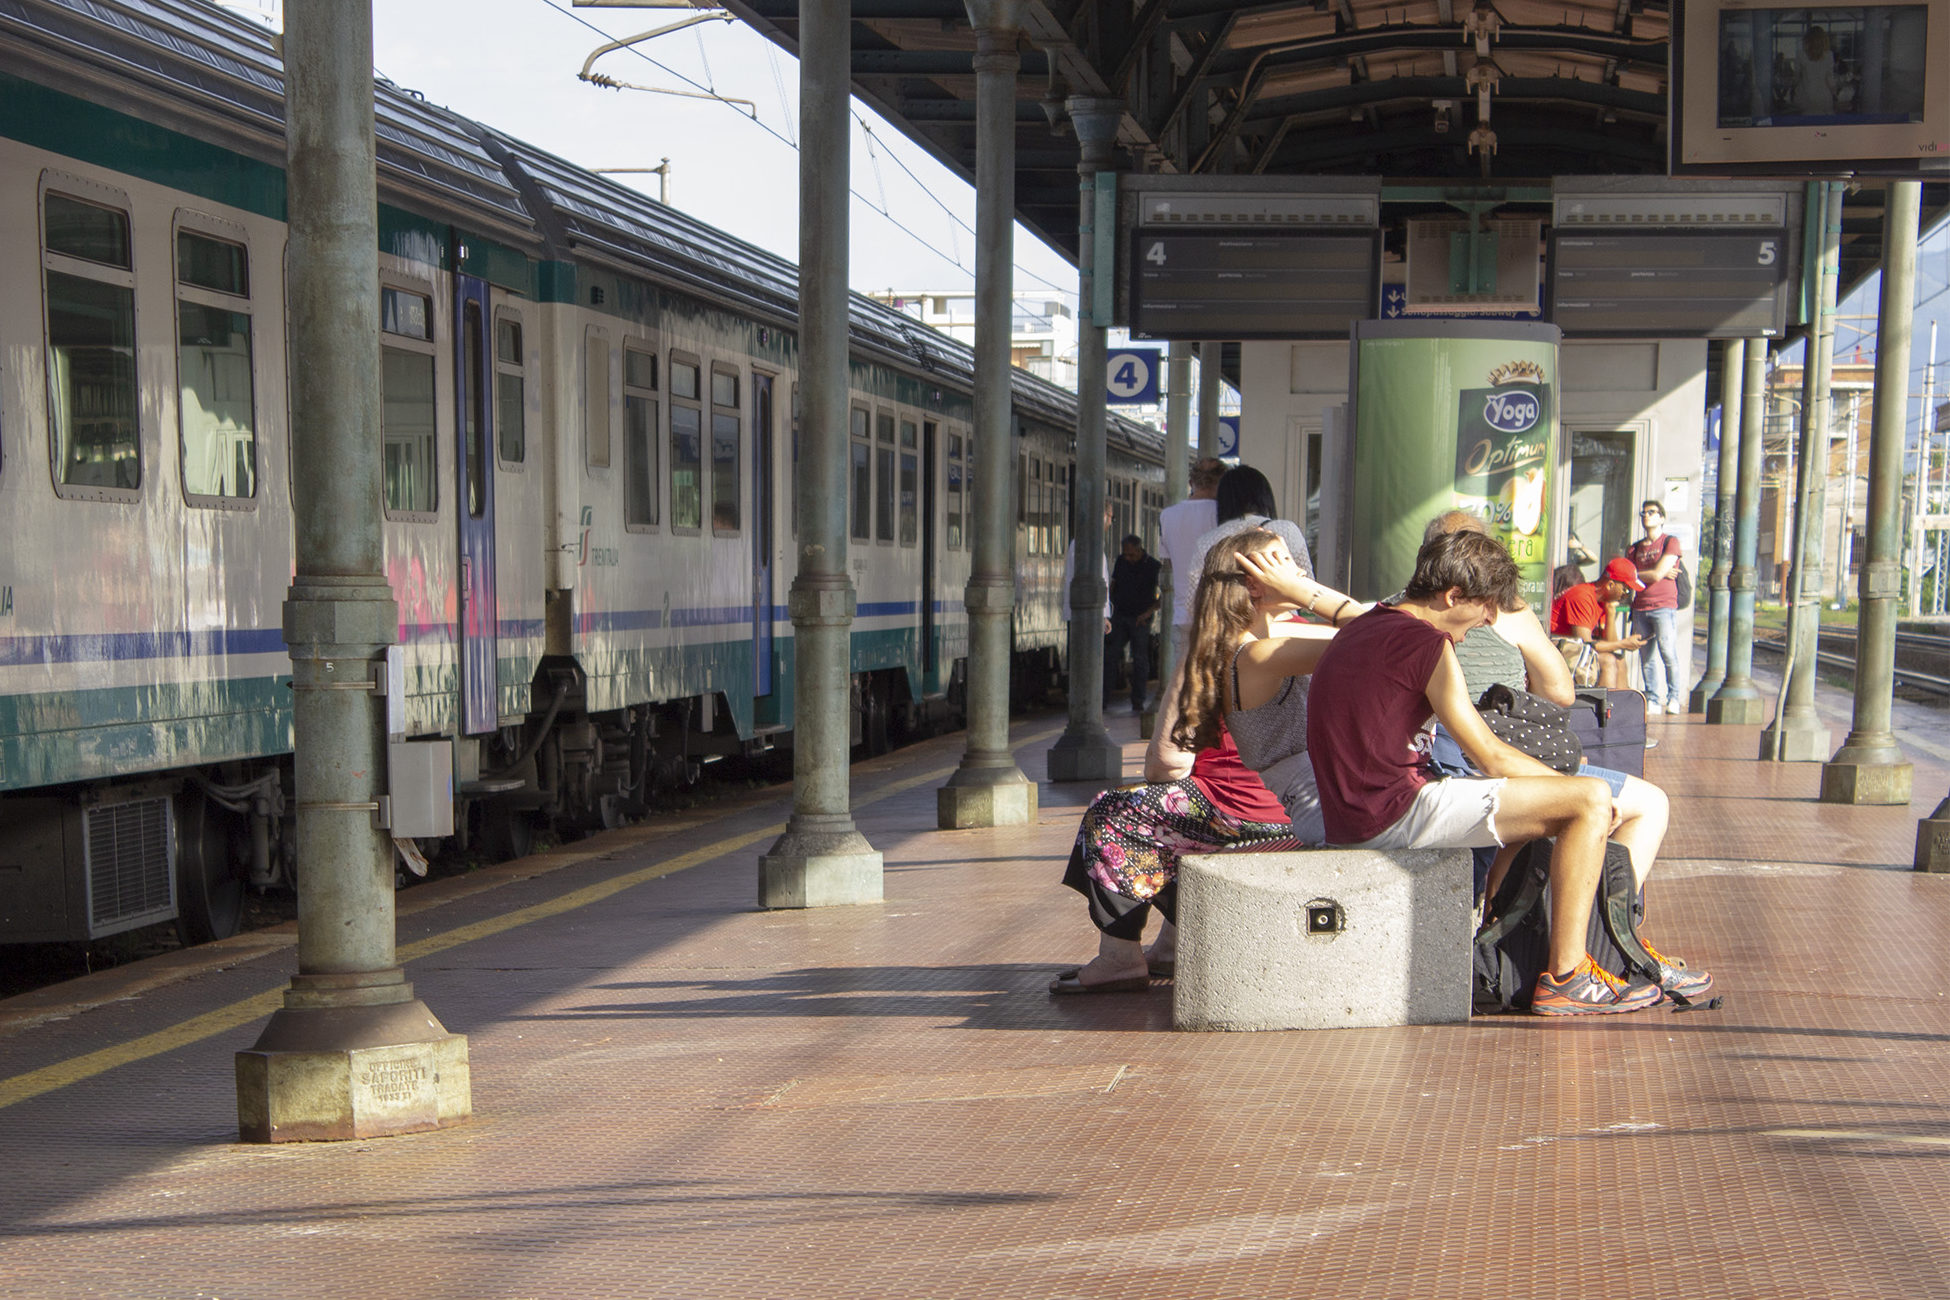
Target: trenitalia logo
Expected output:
[1511,412]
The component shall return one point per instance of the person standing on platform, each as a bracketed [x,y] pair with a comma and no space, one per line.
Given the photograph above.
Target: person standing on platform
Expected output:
[1179,528]
[1655,610]
[1133,600]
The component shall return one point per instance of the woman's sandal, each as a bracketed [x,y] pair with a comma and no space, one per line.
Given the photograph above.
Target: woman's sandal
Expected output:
[1069,982]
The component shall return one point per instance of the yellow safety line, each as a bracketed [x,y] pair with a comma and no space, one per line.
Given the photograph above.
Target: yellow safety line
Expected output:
[22,1087]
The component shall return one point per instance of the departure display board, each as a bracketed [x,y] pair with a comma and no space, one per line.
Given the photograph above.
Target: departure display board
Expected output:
[1672,283]
[1239,285]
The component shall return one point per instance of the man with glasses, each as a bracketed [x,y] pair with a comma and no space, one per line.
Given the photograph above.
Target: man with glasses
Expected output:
[1655,610]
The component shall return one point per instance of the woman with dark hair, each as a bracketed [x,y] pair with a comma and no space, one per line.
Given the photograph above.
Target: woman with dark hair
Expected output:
[1245,500]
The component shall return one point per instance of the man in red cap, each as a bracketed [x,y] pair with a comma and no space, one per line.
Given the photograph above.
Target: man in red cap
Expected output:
[1580,617]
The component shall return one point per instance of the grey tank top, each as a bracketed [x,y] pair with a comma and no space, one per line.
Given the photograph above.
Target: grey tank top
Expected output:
[1488,659]
[1272,741]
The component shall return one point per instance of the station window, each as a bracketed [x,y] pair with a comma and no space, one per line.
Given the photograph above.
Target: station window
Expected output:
[91,376]
[686,445]
[954,523]
[406,401]
[861,465]
[510,391]
[595,399]
[727,437]
[910,484]
[640,438]
[883,473]
[216,406]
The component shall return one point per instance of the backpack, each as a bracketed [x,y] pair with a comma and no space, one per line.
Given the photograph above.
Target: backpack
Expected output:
[1682,585]
[1514,941]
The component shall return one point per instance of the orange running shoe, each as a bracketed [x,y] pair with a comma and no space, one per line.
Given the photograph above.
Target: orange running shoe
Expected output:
[1678,979]
[1592,991]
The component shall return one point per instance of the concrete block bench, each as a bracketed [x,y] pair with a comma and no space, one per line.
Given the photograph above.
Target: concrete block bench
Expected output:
[1323,939]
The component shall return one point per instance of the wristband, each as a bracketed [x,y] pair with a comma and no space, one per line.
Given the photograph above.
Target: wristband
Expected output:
[1335,617]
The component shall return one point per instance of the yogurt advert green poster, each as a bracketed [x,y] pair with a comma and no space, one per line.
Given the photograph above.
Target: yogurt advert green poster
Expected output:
[1452,415]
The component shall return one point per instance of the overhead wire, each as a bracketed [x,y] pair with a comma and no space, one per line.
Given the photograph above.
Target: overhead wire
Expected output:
[793,144]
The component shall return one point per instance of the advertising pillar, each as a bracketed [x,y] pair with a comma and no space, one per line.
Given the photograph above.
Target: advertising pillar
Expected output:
[1453,415]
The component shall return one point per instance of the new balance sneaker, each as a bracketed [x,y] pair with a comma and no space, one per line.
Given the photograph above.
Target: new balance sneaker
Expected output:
[1678,979]
[1591,991]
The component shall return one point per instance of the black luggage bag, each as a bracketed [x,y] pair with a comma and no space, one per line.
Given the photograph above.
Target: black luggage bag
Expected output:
[1611,726]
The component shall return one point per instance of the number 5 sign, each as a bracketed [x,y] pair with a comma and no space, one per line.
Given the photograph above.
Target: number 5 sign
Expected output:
[1131,377]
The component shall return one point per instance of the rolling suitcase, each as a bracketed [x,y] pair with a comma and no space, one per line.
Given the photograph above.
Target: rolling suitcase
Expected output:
[1611,727]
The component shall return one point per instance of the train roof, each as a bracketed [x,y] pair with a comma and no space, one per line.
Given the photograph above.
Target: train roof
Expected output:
[194,68]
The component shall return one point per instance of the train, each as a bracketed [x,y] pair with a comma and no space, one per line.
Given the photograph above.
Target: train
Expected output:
[590,424]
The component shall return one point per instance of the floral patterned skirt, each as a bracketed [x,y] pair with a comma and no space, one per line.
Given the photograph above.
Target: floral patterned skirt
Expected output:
[1127,849]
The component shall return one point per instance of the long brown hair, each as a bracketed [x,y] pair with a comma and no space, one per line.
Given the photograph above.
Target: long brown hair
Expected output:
[1222,611]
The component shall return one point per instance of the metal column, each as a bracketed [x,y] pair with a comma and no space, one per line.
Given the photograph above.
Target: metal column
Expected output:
[988,789]
[1733,367]
[1796,734]
[1738,702]
[821,860]
[1085,751]
[1178,455]
[1869,768]
[352,1053]
[1211,380]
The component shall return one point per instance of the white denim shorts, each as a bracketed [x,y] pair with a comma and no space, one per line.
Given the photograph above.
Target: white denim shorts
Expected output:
[1457,812]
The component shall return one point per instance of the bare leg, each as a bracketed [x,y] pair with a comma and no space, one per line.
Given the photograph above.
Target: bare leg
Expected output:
[1643,815]
[1576,810]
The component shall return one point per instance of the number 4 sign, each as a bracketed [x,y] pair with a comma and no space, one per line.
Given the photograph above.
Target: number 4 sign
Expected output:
[1131,376]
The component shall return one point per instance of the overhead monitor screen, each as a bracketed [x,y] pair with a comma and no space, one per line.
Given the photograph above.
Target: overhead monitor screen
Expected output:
[1205,285]
[1822,67]
[1669,283]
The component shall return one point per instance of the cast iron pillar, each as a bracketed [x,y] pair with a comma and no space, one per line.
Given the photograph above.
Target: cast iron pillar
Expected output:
[1733,367]
[1085,751]
[1869,767]
[988,789]
[352,1053]
[821,860]
[1796,734]
[1738,702]
[1933,840]
[1211,381]
[1178,451]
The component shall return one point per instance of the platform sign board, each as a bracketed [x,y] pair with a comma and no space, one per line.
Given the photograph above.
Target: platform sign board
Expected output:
[1202,284]
[1674,283]
[1131,376]
[1228,437]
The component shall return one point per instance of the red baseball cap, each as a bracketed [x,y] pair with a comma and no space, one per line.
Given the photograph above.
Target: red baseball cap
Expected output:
[1623,570]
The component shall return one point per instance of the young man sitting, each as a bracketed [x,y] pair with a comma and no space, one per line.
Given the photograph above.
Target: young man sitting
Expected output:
[1379,681]
[1581,614]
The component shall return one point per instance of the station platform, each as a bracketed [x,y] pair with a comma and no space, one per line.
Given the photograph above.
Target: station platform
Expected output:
[679,1095]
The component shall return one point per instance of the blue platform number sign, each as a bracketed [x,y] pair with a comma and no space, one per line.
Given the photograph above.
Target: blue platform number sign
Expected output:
[1228,436]
[1131,377]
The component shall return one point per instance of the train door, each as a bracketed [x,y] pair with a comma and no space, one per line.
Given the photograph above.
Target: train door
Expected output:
[762,389]
[930,552]
[474,464]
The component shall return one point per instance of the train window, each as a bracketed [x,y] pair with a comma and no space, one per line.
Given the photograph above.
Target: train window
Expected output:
[862,473]
[1022,497]
[686,447]
[954,492]
[595,399]
[910,485]
[640,438]
[473,335]
[727,436]
[1036,505]
[883,476]
[510,391]
[406,402]
[91,378]
[216,408]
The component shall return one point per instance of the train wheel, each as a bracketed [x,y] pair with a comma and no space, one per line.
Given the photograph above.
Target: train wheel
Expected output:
[209,870]
[502,831]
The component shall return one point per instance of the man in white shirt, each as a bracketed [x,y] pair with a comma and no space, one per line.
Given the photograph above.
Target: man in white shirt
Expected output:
[1179,528]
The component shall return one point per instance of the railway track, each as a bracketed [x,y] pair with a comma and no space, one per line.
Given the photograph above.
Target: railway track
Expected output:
[1922,659]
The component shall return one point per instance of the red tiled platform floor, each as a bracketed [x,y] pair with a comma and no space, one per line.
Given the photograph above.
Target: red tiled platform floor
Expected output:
[680,1096]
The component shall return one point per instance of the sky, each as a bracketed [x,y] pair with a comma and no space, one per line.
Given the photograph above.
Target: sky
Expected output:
[513,65]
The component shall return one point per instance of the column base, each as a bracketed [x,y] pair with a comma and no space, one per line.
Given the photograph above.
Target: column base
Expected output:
[1844,781]
[1701,696]
[330,1074]
[819,868]
[1933,843]
[1736,712]
[1096,758]
[1798,745]
[992,796]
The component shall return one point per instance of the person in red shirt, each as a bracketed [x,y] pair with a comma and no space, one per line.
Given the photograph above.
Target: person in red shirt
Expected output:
[1655,610]
[1373,691]
[1580,617]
